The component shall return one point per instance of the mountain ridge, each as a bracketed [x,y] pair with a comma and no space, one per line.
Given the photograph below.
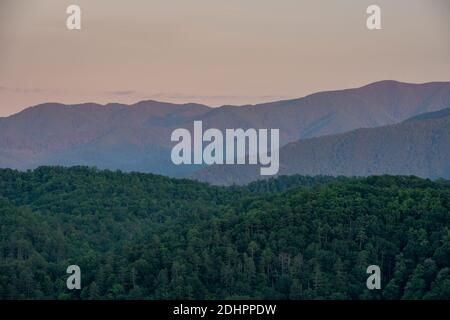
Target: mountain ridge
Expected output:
[136,137]
[414,147]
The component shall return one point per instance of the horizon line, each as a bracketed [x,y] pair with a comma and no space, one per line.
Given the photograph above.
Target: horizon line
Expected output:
[223,105]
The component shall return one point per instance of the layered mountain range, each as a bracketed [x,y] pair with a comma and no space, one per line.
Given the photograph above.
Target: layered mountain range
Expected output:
[317,133]
[419,146]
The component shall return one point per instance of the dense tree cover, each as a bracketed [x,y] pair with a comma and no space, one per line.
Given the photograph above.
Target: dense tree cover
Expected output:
[282,183]
[142,236]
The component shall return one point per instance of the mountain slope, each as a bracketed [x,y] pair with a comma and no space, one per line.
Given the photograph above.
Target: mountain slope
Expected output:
[332,112]
[419,146]
[114,136]
[137,137]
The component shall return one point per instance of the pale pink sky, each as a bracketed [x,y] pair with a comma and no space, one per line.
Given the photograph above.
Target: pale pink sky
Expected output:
[213,51]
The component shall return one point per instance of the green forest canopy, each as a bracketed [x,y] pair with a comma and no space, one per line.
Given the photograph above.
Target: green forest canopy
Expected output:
[143,236]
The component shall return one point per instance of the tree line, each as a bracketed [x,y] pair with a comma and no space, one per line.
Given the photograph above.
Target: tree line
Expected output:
[144,236]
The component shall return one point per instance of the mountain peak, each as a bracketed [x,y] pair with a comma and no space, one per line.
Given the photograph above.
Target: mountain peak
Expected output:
[137,137]
[386,84]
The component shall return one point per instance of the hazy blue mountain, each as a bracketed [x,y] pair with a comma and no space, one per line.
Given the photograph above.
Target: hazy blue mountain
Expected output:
[137,137]
[419,146]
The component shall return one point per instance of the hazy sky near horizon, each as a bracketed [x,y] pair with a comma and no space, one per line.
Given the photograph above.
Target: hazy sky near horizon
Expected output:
[213,51]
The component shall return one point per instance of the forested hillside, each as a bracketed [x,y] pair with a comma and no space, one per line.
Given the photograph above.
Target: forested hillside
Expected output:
[418,146]
[143,236]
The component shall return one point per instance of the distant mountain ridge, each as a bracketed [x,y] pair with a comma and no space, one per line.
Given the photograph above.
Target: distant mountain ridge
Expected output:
[418,146]
[137,137]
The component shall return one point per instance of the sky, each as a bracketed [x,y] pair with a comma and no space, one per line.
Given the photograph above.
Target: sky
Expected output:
[214,52]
